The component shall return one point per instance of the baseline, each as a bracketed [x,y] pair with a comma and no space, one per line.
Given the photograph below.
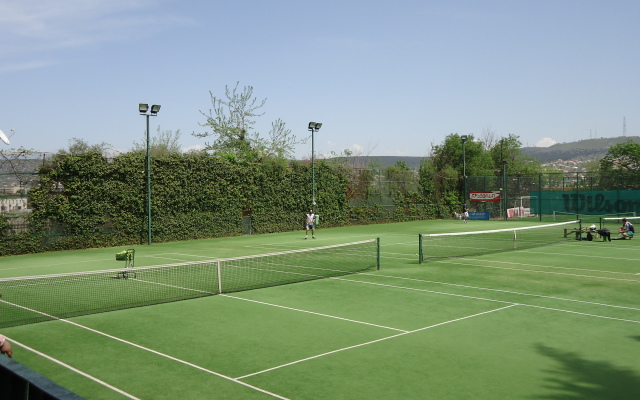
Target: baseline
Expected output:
[540,272]
[172,358]
[485,299]
[374,341]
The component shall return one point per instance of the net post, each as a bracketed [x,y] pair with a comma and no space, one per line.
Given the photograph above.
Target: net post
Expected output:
[420,248]
[378,252]
[580,228]
[219,278]
[515,239]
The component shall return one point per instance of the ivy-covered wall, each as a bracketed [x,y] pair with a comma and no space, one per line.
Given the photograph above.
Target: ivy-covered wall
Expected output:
[88,201]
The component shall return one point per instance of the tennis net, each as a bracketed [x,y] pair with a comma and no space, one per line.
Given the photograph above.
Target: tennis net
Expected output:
[560,216]
[34,299]
[463,244]
[613,224]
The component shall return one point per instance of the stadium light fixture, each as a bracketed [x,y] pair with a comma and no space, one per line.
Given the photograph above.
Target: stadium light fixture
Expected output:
[144,110]
[313,127]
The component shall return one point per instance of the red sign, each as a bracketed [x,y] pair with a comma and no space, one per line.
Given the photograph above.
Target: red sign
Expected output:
[484,196]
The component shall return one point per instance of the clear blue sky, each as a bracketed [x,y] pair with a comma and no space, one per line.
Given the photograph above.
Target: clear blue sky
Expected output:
[385,77]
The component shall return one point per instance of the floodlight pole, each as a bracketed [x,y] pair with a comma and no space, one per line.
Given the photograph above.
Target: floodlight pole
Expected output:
[143,108]
[464,169]
[504,187]
[313,127]
[148,184]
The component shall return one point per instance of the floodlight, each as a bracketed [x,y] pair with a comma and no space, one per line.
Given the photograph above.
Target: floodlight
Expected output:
[313,128]
[144,110]
[463,138]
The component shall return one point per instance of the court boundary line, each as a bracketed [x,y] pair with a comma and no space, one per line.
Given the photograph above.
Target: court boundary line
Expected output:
[567,268]
[73,369]
[539,272]
[497,290]
[609,258]
[313,313]
[374,341]
[172,358]
[481,298]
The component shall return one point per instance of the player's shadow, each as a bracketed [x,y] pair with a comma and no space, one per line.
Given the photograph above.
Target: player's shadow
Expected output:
[576,378]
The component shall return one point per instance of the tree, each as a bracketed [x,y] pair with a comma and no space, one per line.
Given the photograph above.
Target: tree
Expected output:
[231,121]
[399,177]
[80,146]
[17,168]
[164,143]
[280,144]
[620,166]
[450,154]
[623,156]
[442,175]
[510,149]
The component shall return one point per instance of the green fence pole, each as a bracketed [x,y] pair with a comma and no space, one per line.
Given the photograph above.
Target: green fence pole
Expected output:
[378,245]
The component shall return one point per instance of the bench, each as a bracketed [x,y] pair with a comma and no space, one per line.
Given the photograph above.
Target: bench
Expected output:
[568,231]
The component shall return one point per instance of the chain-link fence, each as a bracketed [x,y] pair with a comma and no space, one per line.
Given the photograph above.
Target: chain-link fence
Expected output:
[557,196]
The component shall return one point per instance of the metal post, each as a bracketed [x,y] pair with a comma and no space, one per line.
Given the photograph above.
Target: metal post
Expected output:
[313,170]
[504,187]
[149,240]
[313,127]
[540,197]
[464,170]
[148,112]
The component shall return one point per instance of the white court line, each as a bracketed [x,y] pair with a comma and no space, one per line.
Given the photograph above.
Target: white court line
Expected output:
[77,371]
[314,313]
[540,272]
[190,255]
[481,298]
[498,290]
[581,313]
[373,341]
[169,259]
[581,255]
[154,352]
[58,264]
[555,267]
[280,245]
[400,258]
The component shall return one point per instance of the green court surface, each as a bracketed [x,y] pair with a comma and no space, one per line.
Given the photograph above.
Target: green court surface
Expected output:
[555,322]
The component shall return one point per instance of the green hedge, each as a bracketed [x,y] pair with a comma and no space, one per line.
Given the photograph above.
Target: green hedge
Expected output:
[88,201]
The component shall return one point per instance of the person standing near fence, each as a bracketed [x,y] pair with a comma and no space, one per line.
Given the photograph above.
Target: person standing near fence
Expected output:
[5,347]
[310,224]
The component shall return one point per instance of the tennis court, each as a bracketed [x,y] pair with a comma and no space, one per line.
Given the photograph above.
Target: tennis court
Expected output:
[560,321]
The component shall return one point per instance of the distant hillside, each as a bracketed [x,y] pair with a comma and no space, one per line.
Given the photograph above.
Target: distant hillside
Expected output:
[583,149]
